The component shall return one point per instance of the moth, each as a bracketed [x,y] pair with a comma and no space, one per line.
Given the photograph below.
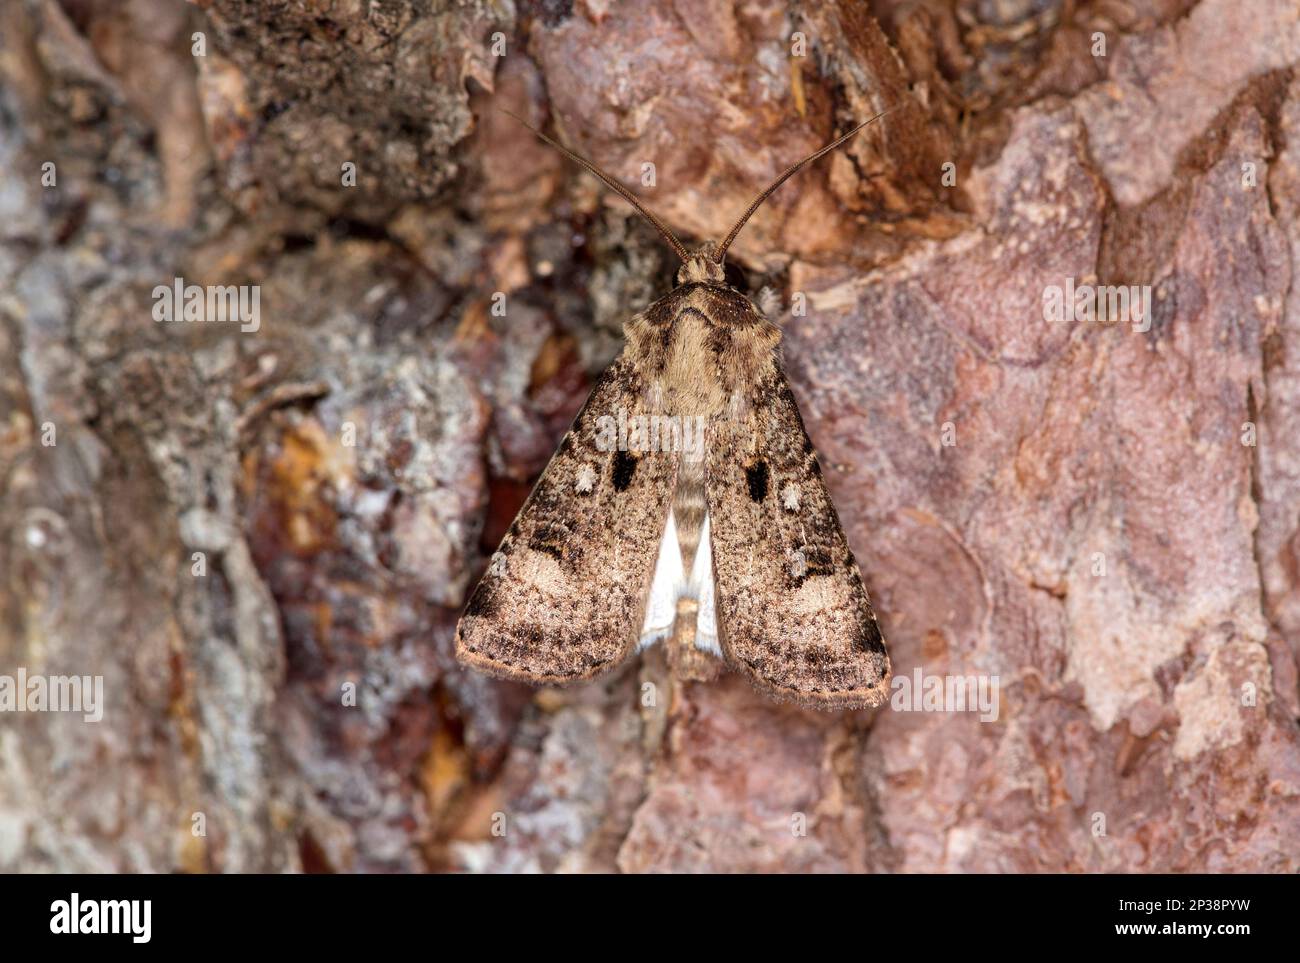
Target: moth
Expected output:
[685,504]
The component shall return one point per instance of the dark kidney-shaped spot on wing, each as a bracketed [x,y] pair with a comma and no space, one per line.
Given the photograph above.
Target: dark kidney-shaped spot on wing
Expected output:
[624,469]
[756,479]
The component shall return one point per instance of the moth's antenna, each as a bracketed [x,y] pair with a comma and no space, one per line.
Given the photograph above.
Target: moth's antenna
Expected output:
[613,185]
[790,172]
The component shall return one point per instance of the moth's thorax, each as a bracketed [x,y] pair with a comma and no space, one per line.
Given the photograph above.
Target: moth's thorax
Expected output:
[700,347]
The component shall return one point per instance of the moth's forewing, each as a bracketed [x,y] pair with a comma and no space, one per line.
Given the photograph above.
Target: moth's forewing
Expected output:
[564,597]
[792,611]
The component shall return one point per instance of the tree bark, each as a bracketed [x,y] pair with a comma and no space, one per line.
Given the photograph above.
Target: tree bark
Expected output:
[260,537]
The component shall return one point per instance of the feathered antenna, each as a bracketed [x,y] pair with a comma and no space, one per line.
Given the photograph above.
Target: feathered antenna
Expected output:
[613,185]
[790,172]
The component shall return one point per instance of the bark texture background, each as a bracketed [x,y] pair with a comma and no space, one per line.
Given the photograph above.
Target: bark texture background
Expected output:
[346,469]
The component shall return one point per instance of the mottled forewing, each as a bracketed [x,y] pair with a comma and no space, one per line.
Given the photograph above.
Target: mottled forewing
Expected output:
[564,597]
[792,611]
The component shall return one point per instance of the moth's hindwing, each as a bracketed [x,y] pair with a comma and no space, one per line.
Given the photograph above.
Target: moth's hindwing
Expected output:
[564,597]
[792,611]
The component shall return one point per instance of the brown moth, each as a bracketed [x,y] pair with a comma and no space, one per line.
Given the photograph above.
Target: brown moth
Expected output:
[686,503]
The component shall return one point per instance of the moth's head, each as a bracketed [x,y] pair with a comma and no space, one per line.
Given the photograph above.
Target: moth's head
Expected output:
[702,267]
